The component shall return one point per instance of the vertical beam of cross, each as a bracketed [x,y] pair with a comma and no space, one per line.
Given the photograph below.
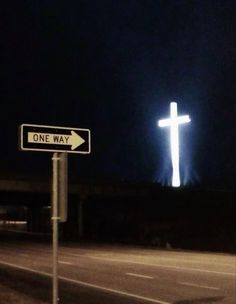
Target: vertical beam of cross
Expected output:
[173,122]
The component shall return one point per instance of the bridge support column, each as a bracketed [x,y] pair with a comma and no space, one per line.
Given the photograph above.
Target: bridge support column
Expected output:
[81,216]
[74,227]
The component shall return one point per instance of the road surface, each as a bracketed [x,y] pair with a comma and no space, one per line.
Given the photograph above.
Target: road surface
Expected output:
[90,273]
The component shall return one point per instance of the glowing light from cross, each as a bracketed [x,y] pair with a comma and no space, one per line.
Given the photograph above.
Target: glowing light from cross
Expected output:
[173,122]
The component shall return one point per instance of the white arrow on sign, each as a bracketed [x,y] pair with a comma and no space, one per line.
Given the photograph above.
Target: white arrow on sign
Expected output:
[74,140]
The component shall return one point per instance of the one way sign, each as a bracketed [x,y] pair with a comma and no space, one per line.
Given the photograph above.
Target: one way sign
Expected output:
[55,139]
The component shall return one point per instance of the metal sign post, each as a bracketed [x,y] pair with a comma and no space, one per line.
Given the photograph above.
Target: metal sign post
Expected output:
[60,140]
[55,219]
[63,187]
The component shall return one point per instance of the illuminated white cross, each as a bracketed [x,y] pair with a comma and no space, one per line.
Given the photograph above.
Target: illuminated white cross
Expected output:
[173,122]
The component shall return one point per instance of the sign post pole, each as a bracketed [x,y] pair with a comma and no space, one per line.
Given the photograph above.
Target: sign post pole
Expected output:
[63,187]
[60,141]
[55,219]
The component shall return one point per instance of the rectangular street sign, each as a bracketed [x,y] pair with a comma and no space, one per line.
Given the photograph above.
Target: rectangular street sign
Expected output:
[54,139]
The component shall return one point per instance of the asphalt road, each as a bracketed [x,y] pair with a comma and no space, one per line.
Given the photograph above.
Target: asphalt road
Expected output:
[91,273]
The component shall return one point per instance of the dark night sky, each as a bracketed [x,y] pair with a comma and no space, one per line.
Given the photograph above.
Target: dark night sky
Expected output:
[113,67]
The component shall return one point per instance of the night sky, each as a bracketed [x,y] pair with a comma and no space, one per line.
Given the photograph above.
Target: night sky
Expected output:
[113,67]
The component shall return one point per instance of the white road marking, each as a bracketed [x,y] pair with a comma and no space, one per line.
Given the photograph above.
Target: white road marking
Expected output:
[123,293]
[24,254]
[138,275]
[162,266]
[198,261]
[64,262]
[73,255]
[164,259]
[115,291]
[199,286]
[25,268]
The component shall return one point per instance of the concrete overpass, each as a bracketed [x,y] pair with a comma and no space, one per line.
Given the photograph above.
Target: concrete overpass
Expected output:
[35,196]
[12,185]
[108,208]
